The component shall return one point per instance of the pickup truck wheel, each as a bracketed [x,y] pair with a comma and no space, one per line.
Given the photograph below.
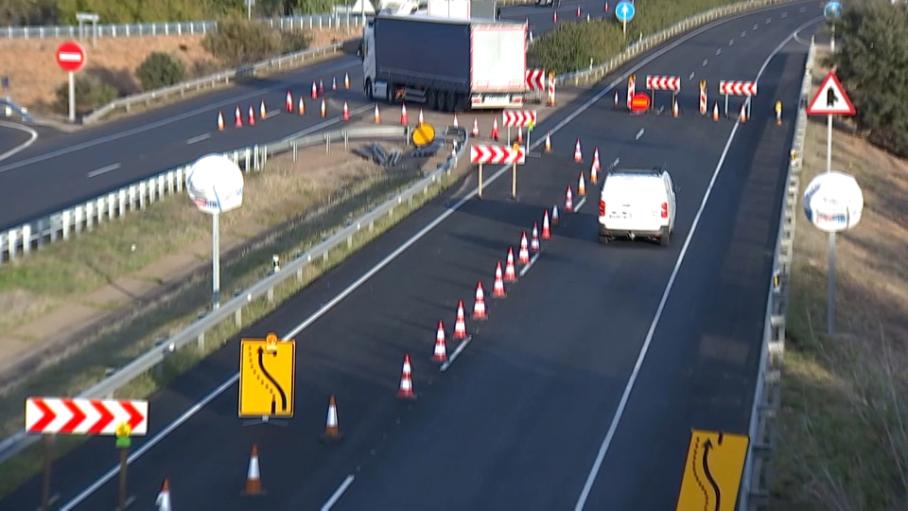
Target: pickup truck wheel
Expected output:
[665,236]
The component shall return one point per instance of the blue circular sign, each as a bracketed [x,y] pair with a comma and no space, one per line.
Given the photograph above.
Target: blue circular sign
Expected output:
[624,11]
[832,10]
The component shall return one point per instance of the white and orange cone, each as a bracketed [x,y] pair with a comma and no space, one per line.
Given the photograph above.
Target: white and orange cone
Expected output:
[324,108]
[220,121]
[420,119]
[548,142]
[616,99]
[546,230]
[675,112]
[460,324]
[569,200]
[456,124]
[475,132]
[263,114]
[534,239]
[406,381]
[332,429]
[251,117]
[554,17]
[321,87]
[333,83]
[594,173]
[162,502]
[314,93]
[495,129]
[441,351]
[510,273]
[376,116]
[404,118]
[742,117]
[479,303]
[302,106]
[498,287]
[716,111]
[346,114]
[578,12]
[555,215]
[523,255]
[253,475]
[596,156]
[578,155]
[237,118]
[581,186]
[347,81]
[288,102]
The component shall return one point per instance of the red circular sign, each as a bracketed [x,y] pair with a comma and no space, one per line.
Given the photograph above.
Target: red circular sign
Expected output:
[70,56]
[639,102]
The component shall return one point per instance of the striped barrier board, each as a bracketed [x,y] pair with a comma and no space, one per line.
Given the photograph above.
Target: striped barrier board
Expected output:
[518,118]
[52,415]
[535,79]
[663,82]
[496,154]
[737,88]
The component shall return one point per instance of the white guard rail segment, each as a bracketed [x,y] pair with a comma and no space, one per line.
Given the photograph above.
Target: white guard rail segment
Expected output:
[200,27]
[755,480]
[232,309]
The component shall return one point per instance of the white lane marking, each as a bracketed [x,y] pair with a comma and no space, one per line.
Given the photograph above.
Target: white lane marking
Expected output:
[731,42]
[526,268]
[768,21]
[640,133]
[162,122]
[743,34]
[107,476]
[103,170]
[460,348]
[338,493]
[705,61]
[579,205]
[193,140]
[718,51]
[691,77]
[33,135]
[755,26]
[606,442]
[615,163]
[274,114]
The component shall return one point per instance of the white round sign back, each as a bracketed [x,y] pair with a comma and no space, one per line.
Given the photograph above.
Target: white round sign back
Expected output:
[833,201]
[215,184]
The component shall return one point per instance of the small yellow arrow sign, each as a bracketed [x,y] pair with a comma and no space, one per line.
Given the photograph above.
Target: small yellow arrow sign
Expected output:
[712,471]
[267,377]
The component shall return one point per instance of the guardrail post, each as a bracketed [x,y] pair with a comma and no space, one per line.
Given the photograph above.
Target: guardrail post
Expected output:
[66,223]
[327,143]
[132,197]
[26,238]
[270,294]
[121,206]
[299,274]
[255,157]
[90,215]
[238,317]
[345,140]
[180,179]
[248,157]
[141,193]
[11,243]
[200,342]
[294,151]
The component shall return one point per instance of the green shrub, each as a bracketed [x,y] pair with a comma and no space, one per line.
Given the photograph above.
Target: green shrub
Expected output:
[91,93]
[238,41]
[160,70]
[294,40]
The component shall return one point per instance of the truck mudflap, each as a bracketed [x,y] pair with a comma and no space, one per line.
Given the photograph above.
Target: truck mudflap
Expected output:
[479,101]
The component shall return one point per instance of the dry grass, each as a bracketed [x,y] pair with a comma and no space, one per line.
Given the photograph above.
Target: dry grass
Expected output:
[844,426]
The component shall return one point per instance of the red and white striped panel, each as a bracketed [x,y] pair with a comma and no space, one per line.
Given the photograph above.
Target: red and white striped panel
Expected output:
[84,416]
[494,154]
[518,118]
[663,82]
[535,79]
[737,88]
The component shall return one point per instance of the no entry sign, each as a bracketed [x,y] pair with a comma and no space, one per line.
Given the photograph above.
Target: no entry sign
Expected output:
[70,56]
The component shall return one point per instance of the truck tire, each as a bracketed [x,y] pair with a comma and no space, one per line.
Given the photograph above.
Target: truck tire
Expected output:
[665,236]
[451,101]
[368,90]
[431,98]
[441,97]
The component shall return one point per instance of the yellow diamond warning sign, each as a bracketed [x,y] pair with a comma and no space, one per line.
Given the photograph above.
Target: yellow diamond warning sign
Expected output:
[712,472]
[266,377]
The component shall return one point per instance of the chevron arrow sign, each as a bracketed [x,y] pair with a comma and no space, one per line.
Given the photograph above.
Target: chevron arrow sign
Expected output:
[662,82]
[518,118]
[84,416]
[494,154]
[737,88]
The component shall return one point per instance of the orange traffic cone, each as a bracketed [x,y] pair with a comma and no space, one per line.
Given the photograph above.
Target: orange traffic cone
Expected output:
[220,121]
[581,186]
[498,286]
[376,116]
[302,106]
[675,112]
[262,112]
[546,230]
[475,132]
[333,83]
[324,109]
[288,102]
[534,240]
[596,156]
[404,119]
[569,200]
[510,273]
[554,17]
[162,502]
[406,381]
[716,111]
[456,124]
[523,255]
[616,99]
[321,88]
[441,351]
[347,81]
[548,142]
[314,93]
[479,303]
[460,325]
[742,117]
[495,130]
[420,119]
[253,477]
[237,118]
[555,215]
[346,112]
[578,156]
[594,172]
[578,11]
[332,430]
[251,117]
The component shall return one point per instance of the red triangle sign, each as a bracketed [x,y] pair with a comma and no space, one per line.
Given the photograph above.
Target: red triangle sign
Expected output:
[831,98]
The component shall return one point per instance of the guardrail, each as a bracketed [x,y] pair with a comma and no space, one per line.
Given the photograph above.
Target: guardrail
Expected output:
[328,20]
[755,480]
[222,78]
[233,309]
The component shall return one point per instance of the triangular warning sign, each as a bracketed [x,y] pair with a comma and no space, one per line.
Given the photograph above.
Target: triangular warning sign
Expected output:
[831,98]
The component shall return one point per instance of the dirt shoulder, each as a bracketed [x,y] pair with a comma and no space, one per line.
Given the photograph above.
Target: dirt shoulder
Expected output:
[843,440]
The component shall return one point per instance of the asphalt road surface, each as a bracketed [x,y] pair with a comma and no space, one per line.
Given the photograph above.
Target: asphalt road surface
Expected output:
[582,386]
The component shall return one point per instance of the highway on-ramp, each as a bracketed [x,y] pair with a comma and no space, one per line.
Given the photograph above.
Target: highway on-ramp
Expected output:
[582,386]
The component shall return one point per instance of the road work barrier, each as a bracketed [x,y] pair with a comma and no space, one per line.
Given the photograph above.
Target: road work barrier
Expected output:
[755,481]
[254,159]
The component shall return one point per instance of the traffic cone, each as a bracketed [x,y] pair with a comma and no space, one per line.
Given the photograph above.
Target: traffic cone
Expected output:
[460,324]
[555,215]
[498,287]
[596,156]
[534,240]
[479,303]
[237,118]
[569,200]
[324,108]
[510,273]
[475,132]
[548,142]
[347,81]
[546,230]
[716,111]
[163,500]
[262,112]
[616,99]
[332,430]
[333,83]
[523,255]
[251,117]
[441,351]
[605,7]
[253,477]
[220,121]
[581,186]
[314,93]
[554,17]
[495,129]
[594,172]
[420,119]
[742,117]
[578,156]
[675,112]
[288,102]
[376,116]
[406,381]
[578,12]
[404,119]
[456,124]
[321,88]
[346,112]
[302,106]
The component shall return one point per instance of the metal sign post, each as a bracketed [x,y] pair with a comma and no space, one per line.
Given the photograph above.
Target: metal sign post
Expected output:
[215,261]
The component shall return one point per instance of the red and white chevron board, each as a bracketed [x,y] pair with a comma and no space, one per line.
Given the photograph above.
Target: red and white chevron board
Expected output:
[663,82]
[84,416]
[496,154]
[518,118]
[737,88]
[535,79]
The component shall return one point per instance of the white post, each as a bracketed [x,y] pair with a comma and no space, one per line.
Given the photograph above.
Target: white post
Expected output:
[830,244]
[832,40]
[72,97]
[215,263]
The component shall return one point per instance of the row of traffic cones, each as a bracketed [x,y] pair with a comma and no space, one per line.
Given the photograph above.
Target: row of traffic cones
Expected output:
[263,113]
[742,115]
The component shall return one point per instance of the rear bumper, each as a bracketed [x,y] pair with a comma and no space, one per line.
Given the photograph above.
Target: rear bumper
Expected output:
[495,101]
[627,233]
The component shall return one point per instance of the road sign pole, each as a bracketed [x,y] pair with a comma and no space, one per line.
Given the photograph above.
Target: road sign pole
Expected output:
[514,181]
[726,105]
[121,493]
[480,180]
[215,262]
[624,29]
[830,245]
[72,97]
[48,463]
[832,40]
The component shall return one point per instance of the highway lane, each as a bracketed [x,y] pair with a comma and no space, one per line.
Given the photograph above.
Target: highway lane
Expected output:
[14,138]
[356,348]
[147,143]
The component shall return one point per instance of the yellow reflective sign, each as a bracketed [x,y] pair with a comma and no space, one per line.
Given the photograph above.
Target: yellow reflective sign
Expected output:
[712,471]
[267,377]
[423,134]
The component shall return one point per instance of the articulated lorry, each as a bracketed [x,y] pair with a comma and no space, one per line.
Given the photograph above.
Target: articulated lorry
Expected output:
[448,64]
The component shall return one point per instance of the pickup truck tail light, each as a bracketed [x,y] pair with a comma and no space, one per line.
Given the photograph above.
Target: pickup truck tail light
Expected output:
[601,207]
[664,210]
